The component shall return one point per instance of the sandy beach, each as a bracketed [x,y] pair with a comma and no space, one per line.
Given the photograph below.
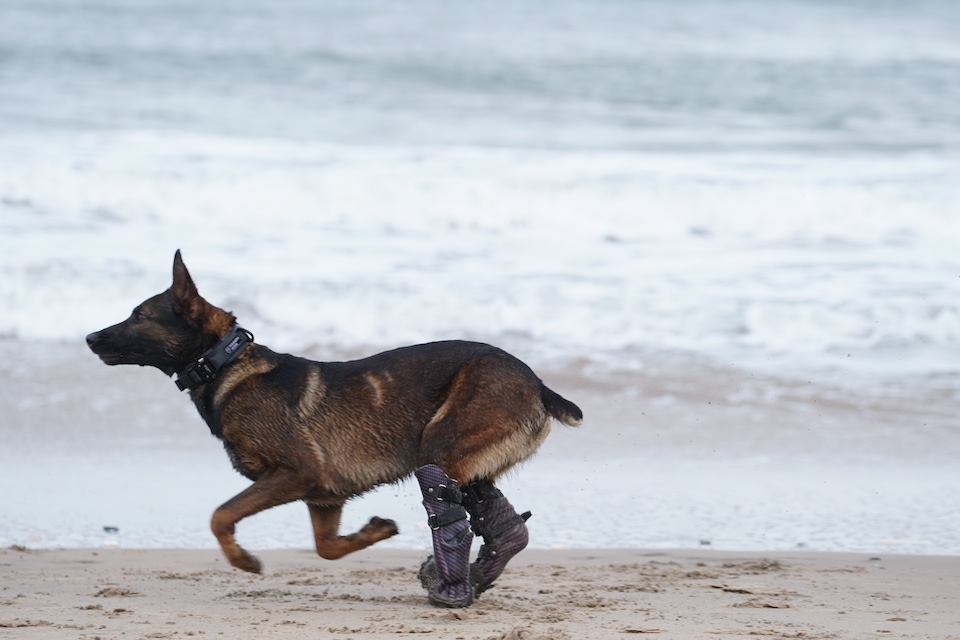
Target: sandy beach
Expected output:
[546,594]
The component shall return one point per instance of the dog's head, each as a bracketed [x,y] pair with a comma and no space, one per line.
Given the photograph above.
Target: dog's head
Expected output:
[165,331]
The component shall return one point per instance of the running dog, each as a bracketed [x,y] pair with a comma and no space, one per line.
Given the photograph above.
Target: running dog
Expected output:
[455,414]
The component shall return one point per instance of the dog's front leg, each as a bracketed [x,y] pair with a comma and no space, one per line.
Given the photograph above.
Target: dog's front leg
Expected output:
[270,490]
[331,545]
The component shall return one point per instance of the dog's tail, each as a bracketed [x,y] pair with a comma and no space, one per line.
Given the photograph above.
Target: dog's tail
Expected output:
[560,408]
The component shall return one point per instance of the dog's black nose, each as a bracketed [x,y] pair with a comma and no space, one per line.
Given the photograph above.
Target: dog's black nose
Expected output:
[92,338]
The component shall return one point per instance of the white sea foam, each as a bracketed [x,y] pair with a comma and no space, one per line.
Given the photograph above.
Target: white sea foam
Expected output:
[775,258]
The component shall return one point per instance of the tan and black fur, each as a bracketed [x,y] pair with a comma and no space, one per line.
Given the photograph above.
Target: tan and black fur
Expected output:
[324,432]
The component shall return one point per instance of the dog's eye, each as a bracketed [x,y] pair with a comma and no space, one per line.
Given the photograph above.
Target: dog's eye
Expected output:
[139,316]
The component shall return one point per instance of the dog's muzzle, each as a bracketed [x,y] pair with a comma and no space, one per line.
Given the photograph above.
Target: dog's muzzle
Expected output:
[96,345]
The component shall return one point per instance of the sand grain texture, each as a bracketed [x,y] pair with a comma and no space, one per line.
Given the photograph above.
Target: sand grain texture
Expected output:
[546,594]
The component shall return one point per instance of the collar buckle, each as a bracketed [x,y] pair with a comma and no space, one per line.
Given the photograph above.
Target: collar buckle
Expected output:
[205,369]
[208,366]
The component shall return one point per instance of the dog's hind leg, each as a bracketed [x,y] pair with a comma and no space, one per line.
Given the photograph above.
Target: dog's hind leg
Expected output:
[446,574]
[270,490]
[504,532]
[331,545]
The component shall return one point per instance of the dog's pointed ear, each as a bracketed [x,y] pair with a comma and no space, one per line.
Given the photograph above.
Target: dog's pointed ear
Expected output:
[187,299]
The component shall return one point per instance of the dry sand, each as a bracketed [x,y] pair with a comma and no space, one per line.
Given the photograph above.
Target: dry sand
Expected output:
[556,594]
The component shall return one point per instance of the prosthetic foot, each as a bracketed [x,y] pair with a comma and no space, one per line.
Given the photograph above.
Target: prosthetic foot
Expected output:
[504,532]
[446,574]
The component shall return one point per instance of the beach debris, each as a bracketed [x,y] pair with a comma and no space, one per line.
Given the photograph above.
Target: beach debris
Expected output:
[116,592]
[727,589]
[757,603]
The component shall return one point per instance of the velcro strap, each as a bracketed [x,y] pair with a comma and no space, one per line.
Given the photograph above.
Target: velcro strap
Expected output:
[480,492]
[455,513]
[491,535]
[446,493]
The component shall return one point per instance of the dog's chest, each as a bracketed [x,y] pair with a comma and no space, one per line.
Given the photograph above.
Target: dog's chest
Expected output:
[250,469]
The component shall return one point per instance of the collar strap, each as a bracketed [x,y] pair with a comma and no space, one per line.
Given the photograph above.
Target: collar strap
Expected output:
[208,366]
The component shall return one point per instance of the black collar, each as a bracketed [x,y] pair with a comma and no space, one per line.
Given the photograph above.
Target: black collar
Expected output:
[208,366]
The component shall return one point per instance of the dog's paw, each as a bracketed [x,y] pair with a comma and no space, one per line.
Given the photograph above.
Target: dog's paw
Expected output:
[381,528]
[247,562]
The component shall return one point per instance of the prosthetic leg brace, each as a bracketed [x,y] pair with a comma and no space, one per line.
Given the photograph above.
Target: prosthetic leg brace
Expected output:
[446,574]
[504,532]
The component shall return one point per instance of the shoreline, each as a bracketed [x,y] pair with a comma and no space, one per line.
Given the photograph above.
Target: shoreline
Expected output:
[695,453]
[555,594]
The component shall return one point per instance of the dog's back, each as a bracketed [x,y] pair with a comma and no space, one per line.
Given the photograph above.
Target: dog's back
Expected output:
[361,423]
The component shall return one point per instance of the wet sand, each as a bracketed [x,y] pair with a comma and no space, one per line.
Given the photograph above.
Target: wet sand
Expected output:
[545,594]
[671,453]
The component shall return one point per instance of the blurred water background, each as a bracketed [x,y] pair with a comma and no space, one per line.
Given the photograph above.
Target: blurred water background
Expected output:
[607,186]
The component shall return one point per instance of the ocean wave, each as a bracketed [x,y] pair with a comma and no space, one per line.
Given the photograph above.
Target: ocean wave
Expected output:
[586,251]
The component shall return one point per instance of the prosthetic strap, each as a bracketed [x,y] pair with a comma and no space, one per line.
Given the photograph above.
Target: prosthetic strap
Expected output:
[446,574]
[492,533]
[451,515]
[474,498]
[503,530]
[445,493]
